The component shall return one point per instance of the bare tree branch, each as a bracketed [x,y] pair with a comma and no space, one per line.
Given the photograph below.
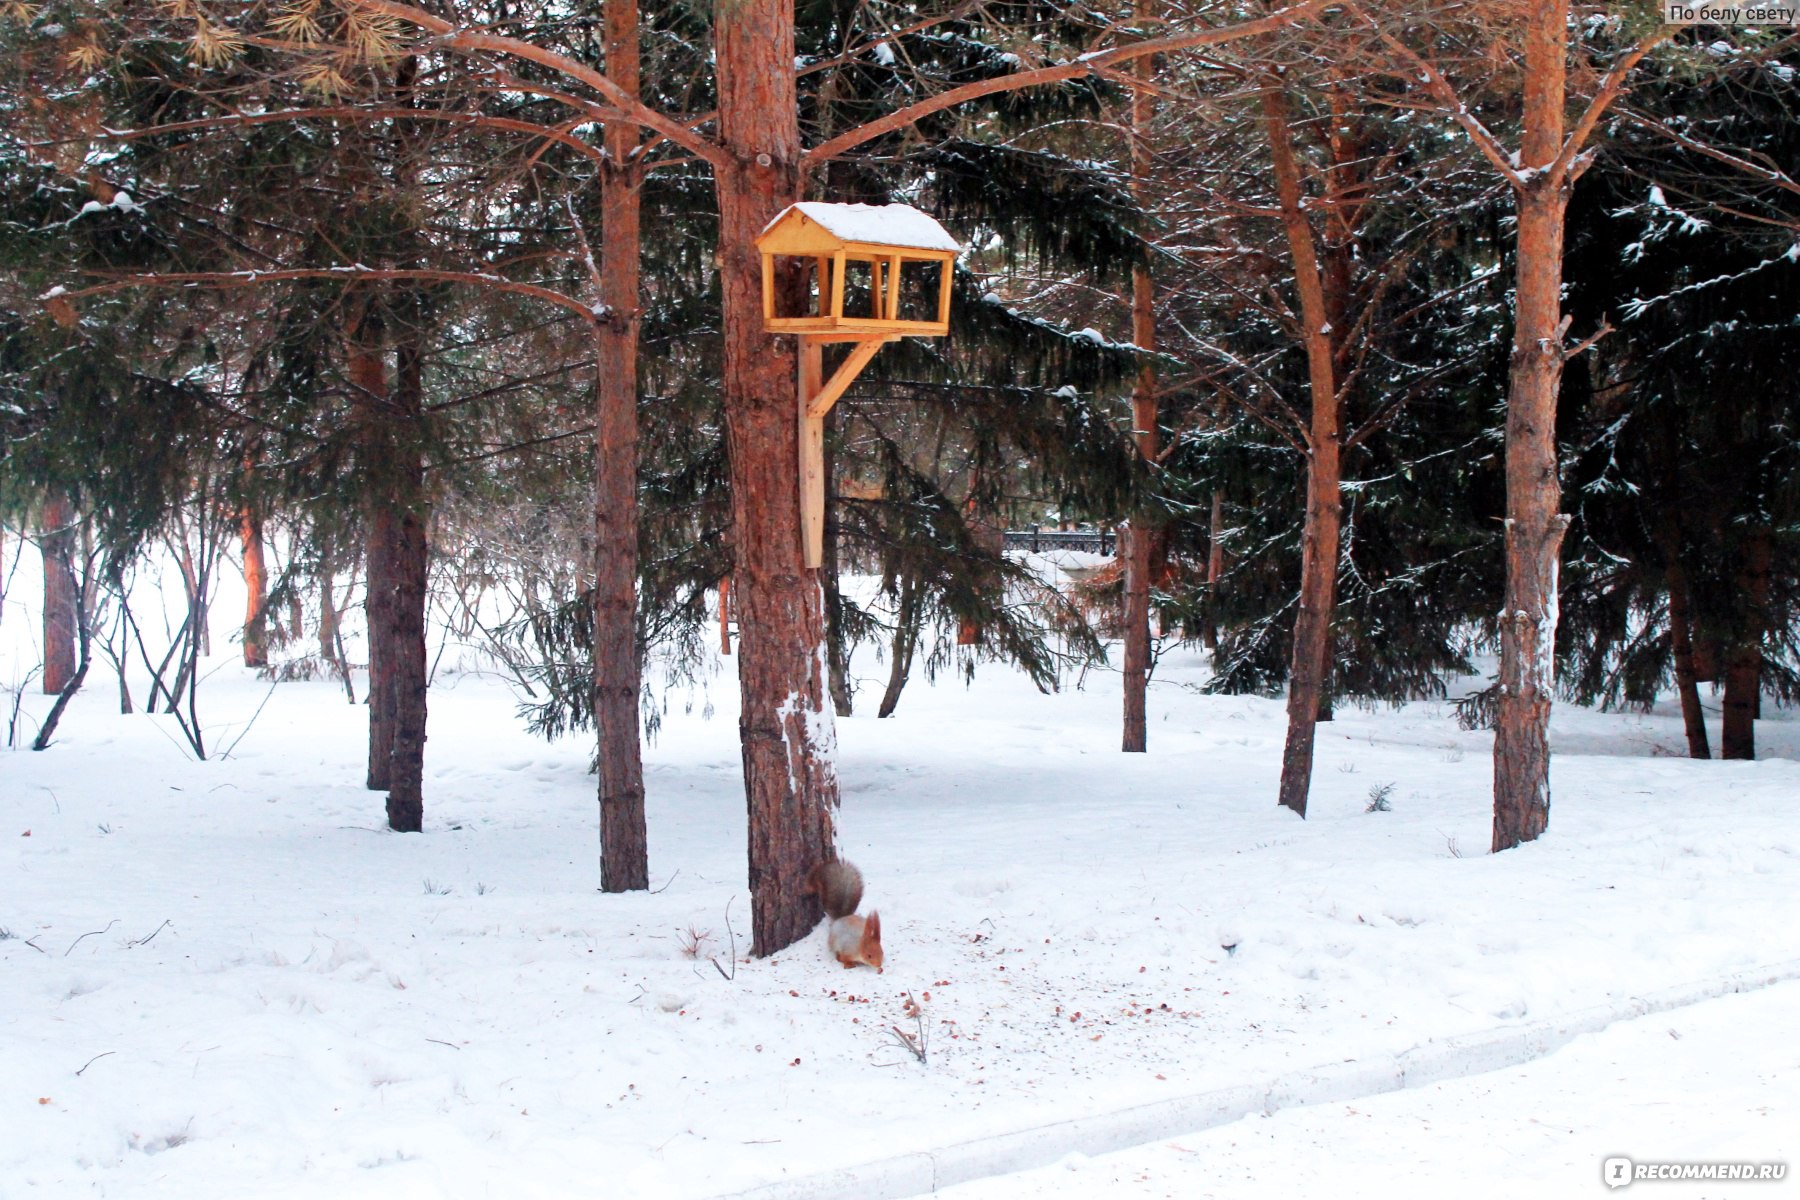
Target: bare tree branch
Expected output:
[1090,63]
[629,107]
[61,302]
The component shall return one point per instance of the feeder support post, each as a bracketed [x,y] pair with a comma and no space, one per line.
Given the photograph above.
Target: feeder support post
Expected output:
[816,396]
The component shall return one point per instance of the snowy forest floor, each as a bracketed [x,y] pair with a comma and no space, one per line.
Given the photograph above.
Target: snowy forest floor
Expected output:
[226,979]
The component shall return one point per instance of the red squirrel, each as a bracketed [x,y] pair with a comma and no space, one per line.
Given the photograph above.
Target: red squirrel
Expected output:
[852,939]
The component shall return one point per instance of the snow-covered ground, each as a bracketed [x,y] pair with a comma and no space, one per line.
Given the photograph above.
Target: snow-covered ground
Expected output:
[1713,1082]
[226,979]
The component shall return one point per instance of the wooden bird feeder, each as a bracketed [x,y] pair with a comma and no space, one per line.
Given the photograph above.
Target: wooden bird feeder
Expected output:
[873,274]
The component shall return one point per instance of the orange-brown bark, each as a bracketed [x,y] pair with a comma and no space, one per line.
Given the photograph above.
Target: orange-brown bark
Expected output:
[785,728]
[624,849]
[57,542]
[1137,539]
[256,588]
[367,369]
[1324,475]
[1534,527]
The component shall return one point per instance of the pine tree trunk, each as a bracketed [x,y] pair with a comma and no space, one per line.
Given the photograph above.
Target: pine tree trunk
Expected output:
[381,553]
[1743,660]
[837,647]
[624,845]
[1139,538]
[1135,541]
[1707,655]
[1743,680]
[85,656]
[906,640]
[1324,478]
[1534,528]
[1312,629]
[1693,717]
[1681,620]
[837,661]
[725,615]
[57,544]
[787,734]
[256,588]
[368,374]
[328,616]
[407,670]
[1215,570]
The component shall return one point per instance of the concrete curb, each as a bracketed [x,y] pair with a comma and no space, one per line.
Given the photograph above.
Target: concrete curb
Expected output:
[926,1171]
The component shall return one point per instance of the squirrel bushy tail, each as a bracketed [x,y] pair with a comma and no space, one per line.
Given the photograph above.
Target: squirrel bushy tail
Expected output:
[839,885]
[853,940]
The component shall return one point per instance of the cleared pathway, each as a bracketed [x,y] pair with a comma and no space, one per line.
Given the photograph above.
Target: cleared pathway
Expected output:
[1718,1080]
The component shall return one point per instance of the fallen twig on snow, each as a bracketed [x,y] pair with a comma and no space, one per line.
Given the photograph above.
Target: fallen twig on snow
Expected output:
[90,933]
[90,1062]
[145,940]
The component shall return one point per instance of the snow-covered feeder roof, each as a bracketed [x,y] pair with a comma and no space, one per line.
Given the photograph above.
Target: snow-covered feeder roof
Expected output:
[811,227]
[893,264]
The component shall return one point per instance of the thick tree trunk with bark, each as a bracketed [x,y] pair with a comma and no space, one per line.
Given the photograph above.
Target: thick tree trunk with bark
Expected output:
[409,580]
[368,375]
[56,540]
[1551,155]
[1743,661]
[787,733]
[1534,527]
[1324,476]
[1675,579]
[1135,543]
[624,846]
[256,588]
[1693,717]
[1138,540]
[1708,654]
[1310,663]
[1743,682]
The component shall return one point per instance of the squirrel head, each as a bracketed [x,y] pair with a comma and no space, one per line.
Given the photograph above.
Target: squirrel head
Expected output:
[870,950]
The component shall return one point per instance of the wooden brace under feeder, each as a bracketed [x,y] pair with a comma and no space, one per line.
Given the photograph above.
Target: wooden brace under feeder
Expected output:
[860,291]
